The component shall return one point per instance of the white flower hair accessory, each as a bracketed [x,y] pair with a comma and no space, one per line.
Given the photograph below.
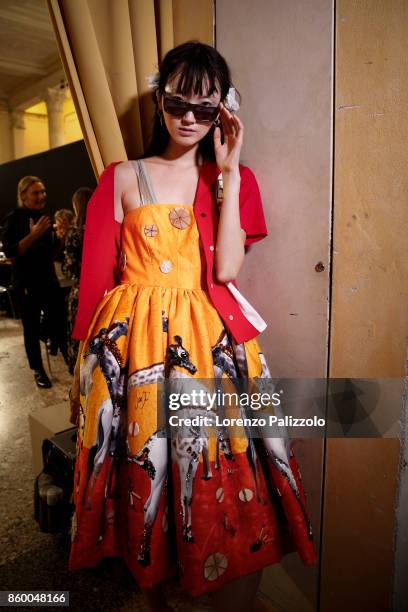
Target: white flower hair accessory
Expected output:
[153,80]
[230,102]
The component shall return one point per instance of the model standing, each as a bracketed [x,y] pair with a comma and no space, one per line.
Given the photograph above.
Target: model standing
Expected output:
[212,509]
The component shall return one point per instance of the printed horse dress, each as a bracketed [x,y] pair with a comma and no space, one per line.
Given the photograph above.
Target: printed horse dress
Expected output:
[209,508]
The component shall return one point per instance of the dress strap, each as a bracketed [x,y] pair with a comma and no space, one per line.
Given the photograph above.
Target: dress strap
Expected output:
[146,191]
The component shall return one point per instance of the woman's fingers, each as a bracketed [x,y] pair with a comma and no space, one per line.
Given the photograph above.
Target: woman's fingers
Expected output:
[231,123]
[233,133]
[239,127]
[238,122]
[217,138]
[226,125]
[226,119]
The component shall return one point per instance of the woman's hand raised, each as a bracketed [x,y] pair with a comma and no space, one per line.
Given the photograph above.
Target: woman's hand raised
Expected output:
[38,229]
[227,155]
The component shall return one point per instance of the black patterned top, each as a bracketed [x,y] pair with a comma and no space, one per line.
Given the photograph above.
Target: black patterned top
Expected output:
[71,265]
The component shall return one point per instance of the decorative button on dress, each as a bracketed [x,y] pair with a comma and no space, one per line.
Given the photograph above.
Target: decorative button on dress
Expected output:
[209,508]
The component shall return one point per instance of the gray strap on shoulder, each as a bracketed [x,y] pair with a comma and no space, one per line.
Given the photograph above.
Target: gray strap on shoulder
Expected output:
[146,191]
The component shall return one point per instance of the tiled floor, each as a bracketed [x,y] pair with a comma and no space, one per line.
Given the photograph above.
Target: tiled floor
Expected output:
[30,559]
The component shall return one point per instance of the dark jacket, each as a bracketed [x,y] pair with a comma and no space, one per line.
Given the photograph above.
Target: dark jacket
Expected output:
[35,267]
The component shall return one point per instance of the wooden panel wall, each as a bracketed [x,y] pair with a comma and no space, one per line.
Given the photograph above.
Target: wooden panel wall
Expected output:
[369,325]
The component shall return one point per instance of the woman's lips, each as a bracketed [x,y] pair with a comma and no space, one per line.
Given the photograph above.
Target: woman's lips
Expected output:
[186,131]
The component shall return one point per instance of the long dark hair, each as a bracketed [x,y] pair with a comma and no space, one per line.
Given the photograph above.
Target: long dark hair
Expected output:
[192,62]
[81,198]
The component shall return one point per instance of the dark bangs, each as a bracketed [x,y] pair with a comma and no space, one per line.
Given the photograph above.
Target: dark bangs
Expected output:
[195,79]
[196,68]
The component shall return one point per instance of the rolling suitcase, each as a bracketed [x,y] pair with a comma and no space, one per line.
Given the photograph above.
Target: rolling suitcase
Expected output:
[54,485]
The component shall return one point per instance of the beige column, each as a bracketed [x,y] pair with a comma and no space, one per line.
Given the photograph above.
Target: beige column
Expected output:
[19,133]
[6,134]
[55,98]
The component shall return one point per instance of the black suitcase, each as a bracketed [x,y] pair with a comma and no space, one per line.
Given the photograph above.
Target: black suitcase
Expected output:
[53,487]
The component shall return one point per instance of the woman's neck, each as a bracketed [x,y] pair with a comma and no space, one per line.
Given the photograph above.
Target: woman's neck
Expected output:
[182,156]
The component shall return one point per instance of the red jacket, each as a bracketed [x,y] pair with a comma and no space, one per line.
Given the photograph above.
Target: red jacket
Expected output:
[101,250]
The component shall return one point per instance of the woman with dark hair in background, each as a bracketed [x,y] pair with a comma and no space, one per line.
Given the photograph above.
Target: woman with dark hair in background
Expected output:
[63,220]
[29,240]
[71,265]
[164,241]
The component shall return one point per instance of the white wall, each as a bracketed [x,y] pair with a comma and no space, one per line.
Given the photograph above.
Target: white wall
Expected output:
[280,54]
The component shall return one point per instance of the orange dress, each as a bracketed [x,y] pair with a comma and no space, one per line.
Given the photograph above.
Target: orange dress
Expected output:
[209,506]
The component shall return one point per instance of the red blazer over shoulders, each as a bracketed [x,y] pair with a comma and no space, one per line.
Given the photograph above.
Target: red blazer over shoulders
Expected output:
[101,249]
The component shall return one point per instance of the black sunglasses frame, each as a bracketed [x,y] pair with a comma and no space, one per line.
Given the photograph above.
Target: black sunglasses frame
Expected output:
[200,111]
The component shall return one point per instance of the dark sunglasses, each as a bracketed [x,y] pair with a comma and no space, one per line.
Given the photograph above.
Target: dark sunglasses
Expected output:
[178,108]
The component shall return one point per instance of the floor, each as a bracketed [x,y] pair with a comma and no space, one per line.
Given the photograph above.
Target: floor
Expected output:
[30,559]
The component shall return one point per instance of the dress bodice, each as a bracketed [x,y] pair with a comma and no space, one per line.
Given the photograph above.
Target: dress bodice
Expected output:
[161,247]
[160,242]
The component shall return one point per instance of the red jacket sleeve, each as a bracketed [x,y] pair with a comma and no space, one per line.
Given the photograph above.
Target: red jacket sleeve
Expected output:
[251,209]
[100,252]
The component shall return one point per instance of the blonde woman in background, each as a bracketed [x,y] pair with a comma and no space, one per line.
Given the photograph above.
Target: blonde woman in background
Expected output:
[64,218]
[29,239]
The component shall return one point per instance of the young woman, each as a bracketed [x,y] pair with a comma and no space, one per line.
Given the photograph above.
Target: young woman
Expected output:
[71,265]
[212,509]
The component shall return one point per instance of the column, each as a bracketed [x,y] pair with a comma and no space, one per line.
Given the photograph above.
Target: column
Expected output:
[19,132]
[6,134]
[55,99]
